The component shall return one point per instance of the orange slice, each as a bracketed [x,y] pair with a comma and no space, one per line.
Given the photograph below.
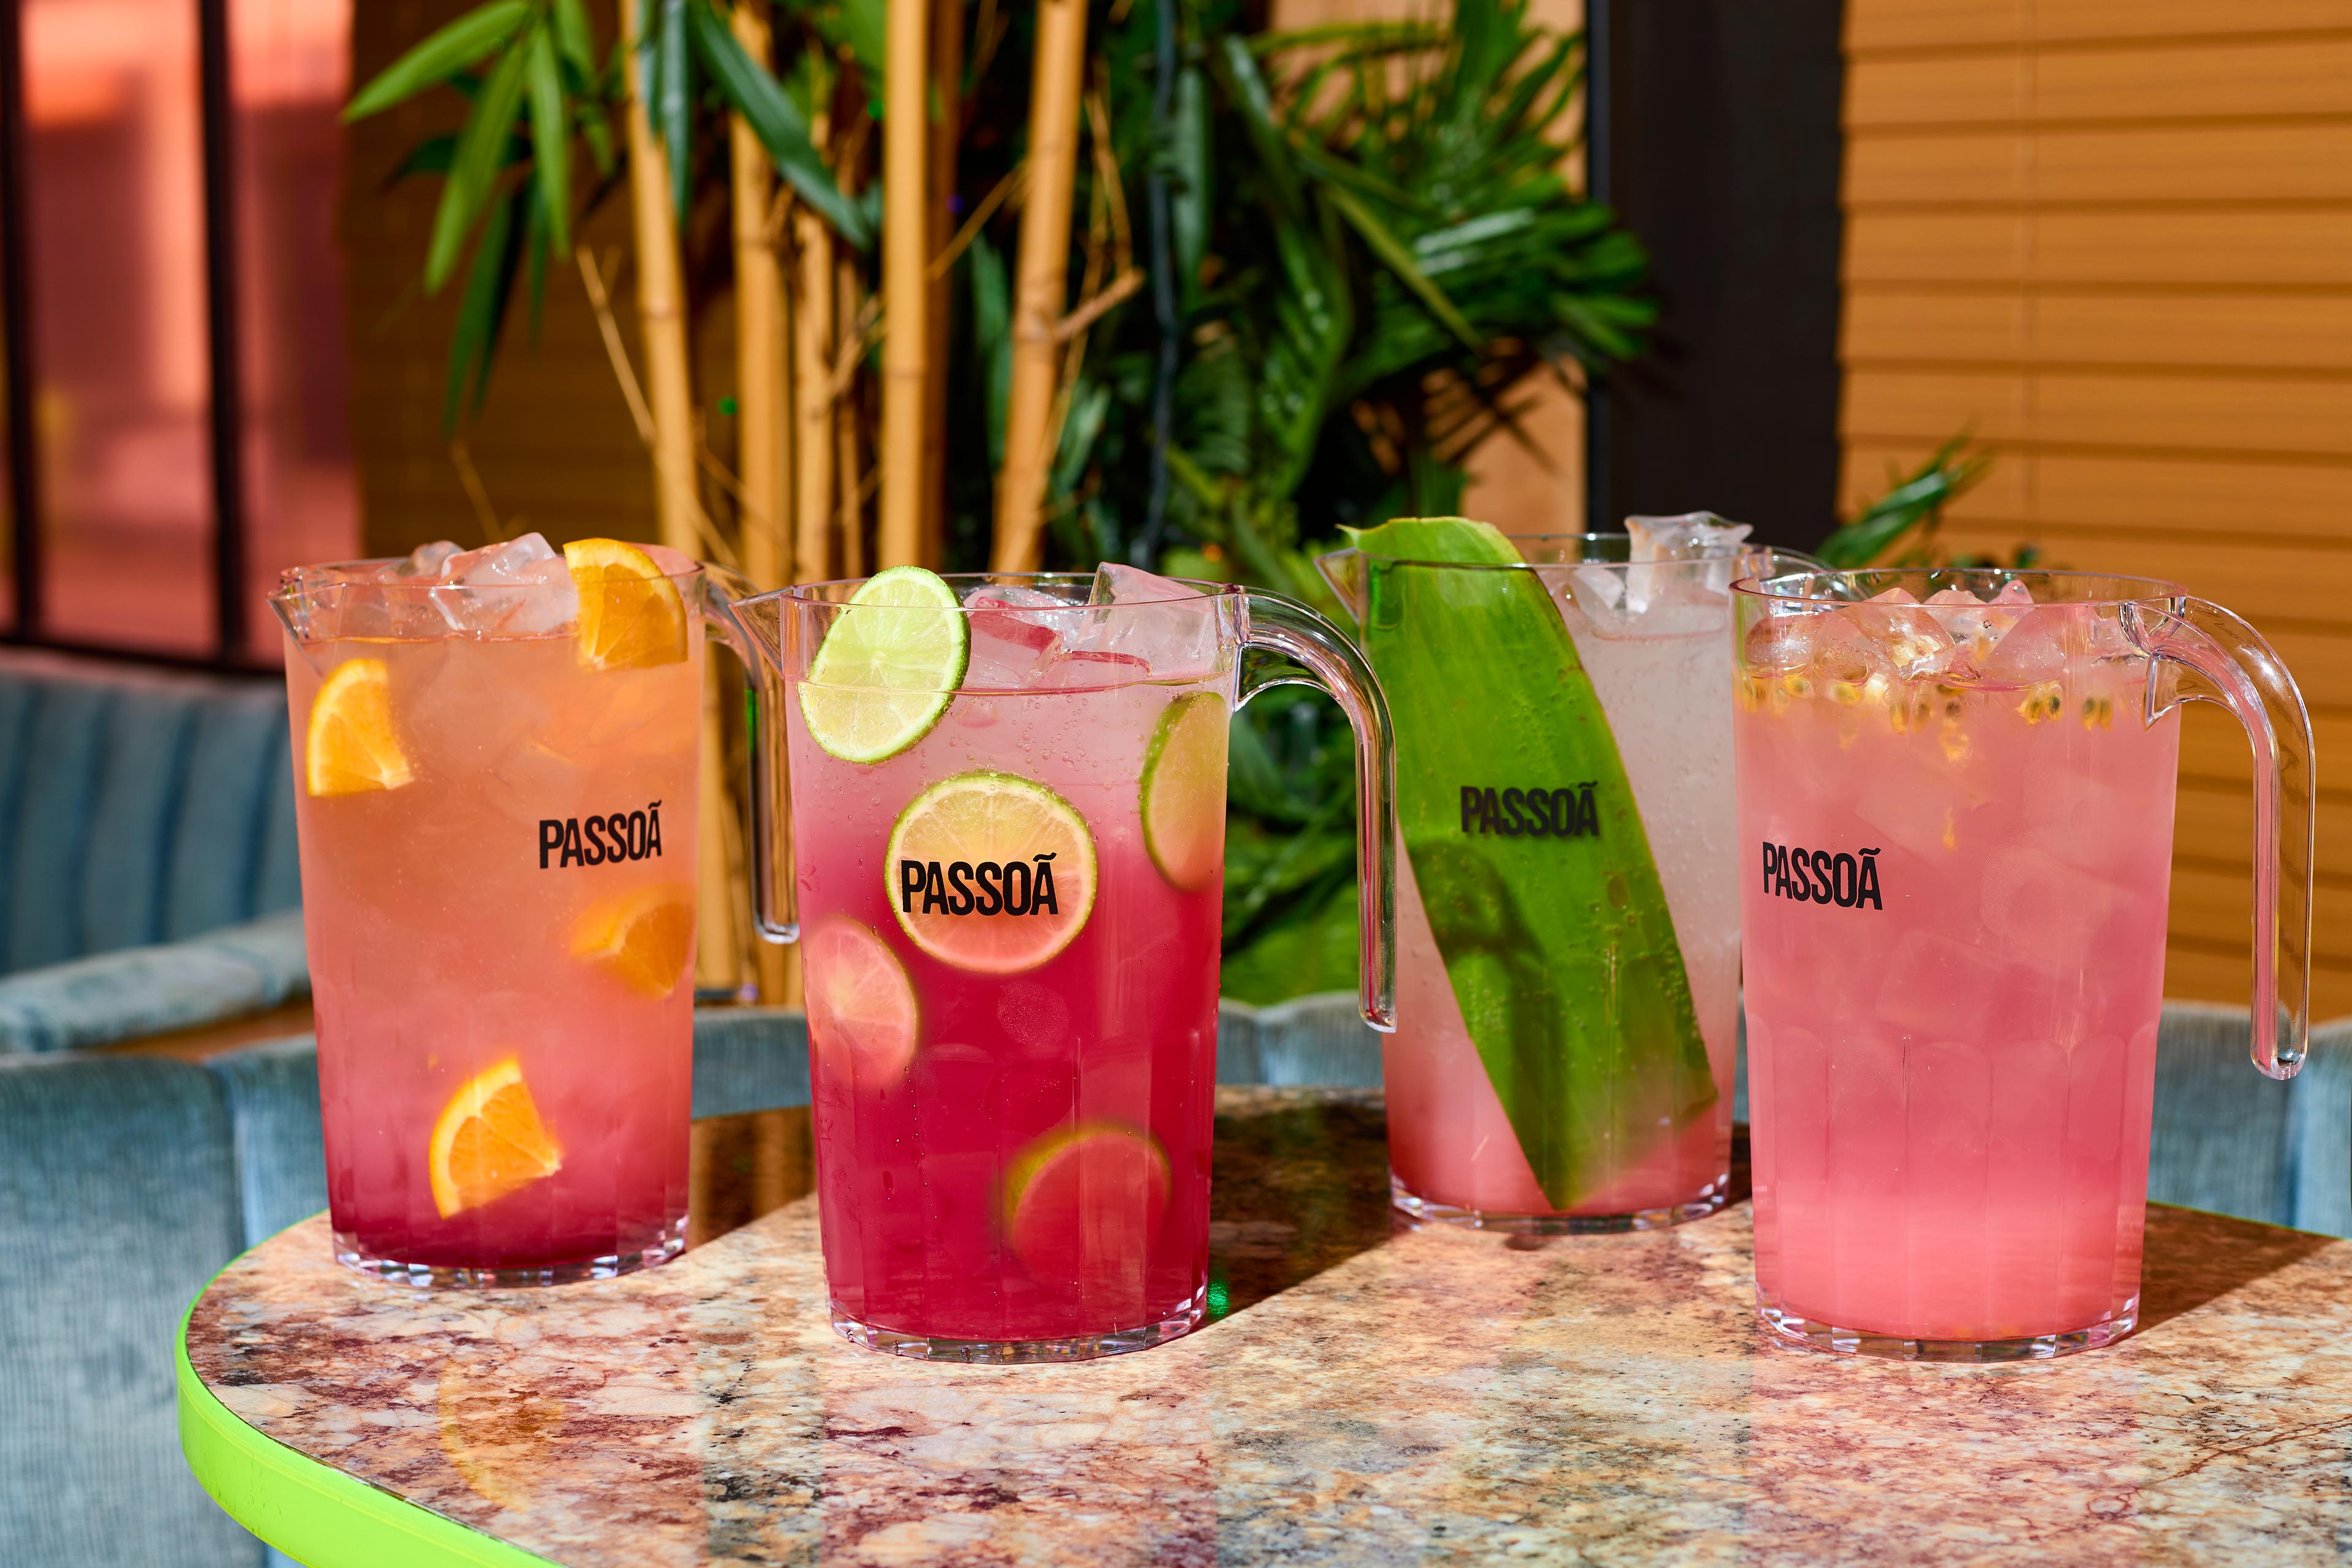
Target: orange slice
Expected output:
[489,1141]
[643,938]
[631,614]
[862,1013]
[350,746]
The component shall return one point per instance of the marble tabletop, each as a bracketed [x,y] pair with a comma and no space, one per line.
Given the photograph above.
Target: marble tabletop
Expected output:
[1368,1395]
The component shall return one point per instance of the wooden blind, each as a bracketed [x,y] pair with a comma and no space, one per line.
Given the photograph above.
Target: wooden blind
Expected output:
[2115,237]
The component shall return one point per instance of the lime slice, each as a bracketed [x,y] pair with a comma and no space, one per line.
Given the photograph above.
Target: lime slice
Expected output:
[888,667]
[1183,795]
[862,1013]
[1084,1203]
[990,872]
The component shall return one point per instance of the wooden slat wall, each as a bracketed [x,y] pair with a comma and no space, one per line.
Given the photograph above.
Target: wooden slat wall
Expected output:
[2116,236]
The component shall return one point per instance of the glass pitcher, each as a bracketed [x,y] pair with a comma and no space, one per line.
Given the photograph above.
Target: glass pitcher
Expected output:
[496,757]
[1008,805]
[1569,974]
[1955,797]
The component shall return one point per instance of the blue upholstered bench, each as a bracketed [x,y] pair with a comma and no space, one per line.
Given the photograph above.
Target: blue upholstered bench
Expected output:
[127,1181]
[148,879]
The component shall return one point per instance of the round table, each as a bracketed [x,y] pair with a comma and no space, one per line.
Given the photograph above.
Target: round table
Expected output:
[1366,1395]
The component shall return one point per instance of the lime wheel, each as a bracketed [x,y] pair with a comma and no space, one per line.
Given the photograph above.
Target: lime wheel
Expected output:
[1022,846]
[1083,1204]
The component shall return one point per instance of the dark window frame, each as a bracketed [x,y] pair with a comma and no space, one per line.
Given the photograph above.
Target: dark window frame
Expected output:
[225,401]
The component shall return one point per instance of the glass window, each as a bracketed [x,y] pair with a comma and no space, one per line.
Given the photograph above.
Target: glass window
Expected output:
[290,68]
[115,251]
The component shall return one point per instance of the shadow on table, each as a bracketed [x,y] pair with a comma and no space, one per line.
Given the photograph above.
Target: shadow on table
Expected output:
[2194,1257]
[1297,1189]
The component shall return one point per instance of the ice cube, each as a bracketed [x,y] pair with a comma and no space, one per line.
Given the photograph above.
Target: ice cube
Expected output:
[1683,537]
[1014,632]
[2034,650]
[1172,627]
[1979,623]
[1085,669]
[1686,537]
[425,561]
[1904,636]
[1780,642]
[521,587]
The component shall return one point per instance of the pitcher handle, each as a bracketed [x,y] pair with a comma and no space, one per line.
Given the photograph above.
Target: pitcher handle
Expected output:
[2232,665]
[1328,661]
[768,810]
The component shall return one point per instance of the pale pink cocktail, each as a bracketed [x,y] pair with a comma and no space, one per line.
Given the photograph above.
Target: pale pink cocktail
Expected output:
[1956,832]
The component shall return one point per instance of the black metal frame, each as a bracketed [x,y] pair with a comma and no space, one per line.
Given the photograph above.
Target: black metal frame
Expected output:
[1600,151]
[227,401]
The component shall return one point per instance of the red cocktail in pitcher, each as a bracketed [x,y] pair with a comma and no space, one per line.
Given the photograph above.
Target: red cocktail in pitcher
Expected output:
[1008,801]
[1955,796]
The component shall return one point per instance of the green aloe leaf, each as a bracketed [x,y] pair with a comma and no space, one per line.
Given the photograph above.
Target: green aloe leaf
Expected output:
[777,121]
[439,57]
[551,139]
[476,166]
[1561,952]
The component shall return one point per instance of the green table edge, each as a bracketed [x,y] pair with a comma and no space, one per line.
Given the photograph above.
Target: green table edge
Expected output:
[311,1511]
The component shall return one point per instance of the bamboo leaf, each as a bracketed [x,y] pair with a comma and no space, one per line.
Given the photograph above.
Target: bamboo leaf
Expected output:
[489,281]
[778,124]
[475,167]
[672,103]
[431,156]
[573,40]
[439,57]
[551,139]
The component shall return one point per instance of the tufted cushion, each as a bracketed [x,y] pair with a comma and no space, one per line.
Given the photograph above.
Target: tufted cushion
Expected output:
[64,750]
[137,991]
[118,1200]
[134,804]
[234,758]
[137,806]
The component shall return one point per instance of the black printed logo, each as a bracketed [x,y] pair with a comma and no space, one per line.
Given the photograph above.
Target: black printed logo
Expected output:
[1848,881]
[593,840]
[1531,813]
[990,887]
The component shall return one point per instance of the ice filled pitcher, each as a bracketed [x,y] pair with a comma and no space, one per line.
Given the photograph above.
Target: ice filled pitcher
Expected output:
[1567,918]
[1955,797]
[1008,810]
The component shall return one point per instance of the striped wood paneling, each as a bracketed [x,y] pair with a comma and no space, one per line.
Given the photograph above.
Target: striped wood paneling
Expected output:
[2114,238]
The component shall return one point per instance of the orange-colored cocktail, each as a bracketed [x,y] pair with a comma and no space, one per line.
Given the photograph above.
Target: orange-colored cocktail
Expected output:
[495,763]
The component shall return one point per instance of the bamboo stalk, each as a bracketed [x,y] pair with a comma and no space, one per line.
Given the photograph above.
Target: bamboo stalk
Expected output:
[848,467]
[762,416]
[947,77]
[1040,292]
[812,380]
[906,293]
[661,311]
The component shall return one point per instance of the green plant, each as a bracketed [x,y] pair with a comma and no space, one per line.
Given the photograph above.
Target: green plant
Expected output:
[1900,528]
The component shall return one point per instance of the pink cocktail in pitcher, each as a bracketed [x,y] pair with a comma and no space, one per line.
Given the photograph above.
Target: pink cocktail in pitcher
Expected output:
[1956,794]
[495,761]
[1008,800]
